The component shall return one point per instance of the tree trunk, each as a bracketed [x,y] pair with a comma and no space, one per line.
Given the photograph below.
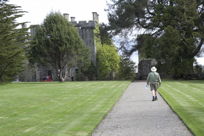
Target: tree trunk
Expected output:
[62,74]
[59,75]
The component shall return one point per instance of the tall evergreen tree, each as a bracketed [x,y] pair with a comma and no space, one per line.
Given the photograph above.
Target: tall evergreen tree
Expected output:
[12,41]
[57,44]
[174,27]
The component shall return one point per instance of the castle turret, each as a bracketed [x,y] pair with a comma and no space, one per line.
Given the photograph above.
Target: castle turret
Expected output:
[95,17]
[66,15]
[72,19]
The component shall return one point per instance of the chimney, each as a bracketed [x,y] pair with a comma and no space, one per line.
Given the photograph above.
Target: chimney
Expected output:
[72,19]
[66,15]
[95,17]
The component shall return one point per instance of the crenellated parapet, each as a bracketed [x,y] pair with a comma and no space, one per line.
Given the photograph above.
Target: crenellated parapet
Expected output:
[86,32]
[85,24]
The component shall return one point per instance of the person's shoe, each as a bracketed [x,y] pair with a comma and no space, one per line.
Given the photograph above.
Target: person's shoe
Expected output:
[153,99]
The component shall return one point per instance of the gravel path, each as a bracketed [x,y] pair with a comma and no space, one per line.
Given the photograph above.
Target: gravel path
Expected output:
[136,115]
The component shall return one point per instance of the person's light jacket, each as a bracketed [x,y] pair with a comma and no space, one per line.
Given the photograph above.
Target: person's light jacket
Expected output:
[153,78]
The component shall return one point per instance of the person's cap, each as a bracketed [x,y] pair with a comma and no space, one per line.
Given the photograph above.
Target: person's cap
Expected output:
[153,69]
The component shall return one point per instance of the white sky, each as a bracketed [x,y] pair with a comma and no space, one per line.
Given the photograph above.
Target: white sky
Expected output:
[81,9]
[200,60]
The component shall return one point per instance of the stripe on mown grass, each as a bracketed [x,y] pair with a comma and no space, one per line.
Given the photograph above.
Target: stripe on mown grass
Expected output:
[186,99]
[56,109]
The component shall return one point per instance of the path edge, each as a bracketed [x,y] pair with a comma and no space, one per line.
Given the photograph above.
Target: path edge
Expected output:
[172,109]
[105,115]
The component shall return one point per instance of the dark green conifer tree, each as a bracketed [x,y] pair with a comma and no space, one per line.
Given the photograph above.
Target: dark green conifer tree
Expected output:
[57,44]
[12,41]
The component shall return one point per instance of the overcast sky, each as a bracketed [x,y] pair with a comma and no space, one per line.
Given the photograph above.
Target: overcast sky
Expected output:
[80,9]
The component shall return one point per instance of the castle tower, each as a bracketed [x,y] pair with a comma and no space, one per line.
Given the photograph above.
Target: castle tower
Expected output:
[73,19]
[86,32]
[66,15]
[95,17]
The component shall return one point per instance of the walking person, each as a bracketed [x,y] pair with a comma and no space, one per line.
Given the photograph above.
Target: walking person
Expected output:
[154,81]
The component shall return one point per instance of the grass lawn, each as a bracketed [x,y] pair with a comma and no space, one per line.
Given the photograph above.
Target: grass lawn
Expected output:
[187,99]
[56,109]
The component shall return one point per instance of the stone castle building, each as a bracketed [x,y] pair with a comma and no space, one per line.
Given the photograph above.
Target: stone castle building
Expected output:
[86,32]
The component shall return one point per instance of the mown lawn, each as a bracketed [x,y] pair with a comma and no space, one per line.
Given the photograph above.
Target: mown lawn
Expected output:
[56,109]
[187,99]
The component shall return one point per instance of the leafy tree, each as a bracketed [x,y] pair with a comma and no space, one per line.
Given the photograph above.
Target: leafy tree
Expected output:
[127,68]
[107,61]
[107,58]
[91,72]
[175,27]
[12,41]
[83,62]
[105,37]
[57,44]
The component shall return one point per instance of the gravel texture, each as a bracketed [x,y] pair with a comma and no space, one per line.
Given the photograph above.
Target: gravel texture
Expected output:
[136,115]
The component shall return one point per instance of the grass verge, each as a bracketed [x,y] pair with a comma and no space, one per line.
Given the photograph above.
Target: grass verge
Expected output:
[56,109]
[186,98]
